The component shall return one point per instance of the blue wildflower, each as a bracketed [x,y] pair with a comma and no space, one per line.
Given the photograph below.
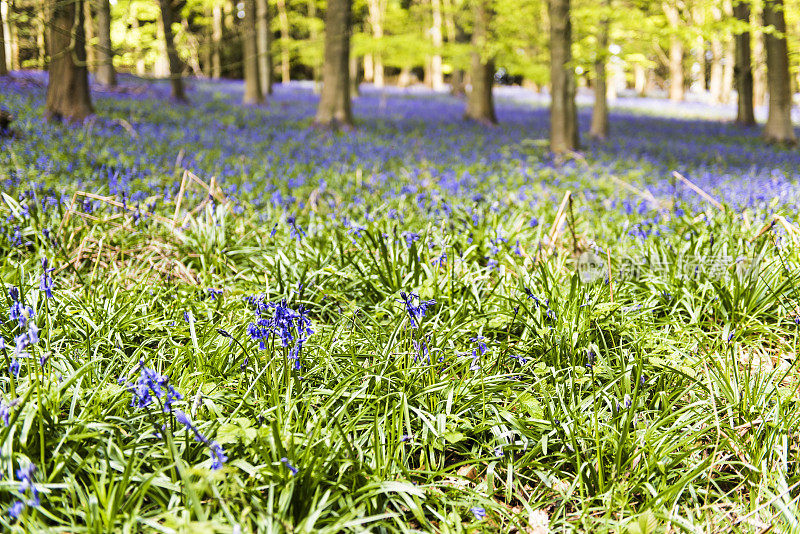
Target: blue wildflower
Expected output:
[415,311]
[478,512]
[291,468]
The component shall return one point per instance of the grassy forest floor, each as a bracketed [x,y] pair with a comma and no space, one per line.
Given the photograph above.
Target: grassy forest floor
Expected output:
[222,320]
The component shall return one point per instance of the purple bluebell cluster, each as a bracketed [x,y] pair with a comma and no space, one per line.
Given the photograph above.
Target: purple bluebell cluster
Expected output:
[415,307]
[28,332]
[27,490]
[293,327]
[151,386]
[218,457]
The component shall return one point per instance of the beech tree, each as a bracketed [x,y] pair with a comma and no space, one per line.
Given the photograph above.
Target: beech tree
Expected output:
[334,103]
[779,120]
[252,83]
[599,128]
[480,103]
[675,51]
[743,72]
[264,42]
[175,65]
[563,111]
[105,73]
[68,82]
[3,66]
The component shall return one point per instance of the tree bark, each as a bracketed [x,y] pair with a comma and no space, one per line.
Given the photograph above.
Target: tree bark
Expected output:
[91,42]
[675,54]
[13,38]
[480,102]
[779,119]
[376,14]
[599,128]
[716,78]
[354,81]
[264,41]
[437,73]
[743,73]
[175,66]
[334,104]
[283,20]
[216,41]
[759,68]
[563,111]
[252,82]
[3,64]
[639,79]
[68,84]
[105,75]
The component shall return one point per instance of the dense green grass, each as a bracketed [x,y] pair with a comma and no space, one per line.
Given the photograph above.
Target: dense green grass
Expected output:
[662,402]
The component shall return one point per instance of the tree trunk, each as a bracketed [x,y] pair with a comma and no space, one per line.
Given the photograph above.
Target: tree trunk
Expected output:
[175,66]
[106,75]
[334,103]
[437,73]
[563,111]
[312,14]
[376,14]
[141,67]
[675,54]
[91,41]
[216,41]
[68,84]
[759,69]
[3,64]
[639,79]
[283,20]
[354,81]
[599,128]
[252,83]
[264,41]
[743,73]
[716,76]
[779,120]
[404,78]
[13,38]
[480,103]
[727,70]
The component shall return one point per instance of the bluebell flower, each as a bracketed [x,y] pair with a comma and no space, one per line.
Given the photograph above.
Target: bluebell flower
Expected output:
[293,327]
[16,510]
[291,468]
[478,512]
[415,311]
[46,281]
[151,383]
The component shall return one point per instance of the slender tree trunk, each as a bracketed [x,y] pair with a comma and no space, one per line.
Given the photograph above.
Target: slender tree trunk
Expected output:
[91,41]
[3,64]
[563,111]
[13,38]
[599,128]
[312,14]
[728,70]
[759,69]
[354,78]
[68,84]
[369,68]
[334,104]
[175,66]
[376,14]
[639,79]
[675,54]
[437,73]
[216,41]
[106,75]
[141,68]
[264,46]
[404,78]
[743,73]
[252,83]
[480,103]
[283,21]
[779,120]
[717,73]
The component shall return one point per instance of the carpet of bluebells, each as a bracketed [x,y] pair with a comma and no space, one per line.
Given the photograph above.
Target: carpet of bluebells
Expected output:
[216,318]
